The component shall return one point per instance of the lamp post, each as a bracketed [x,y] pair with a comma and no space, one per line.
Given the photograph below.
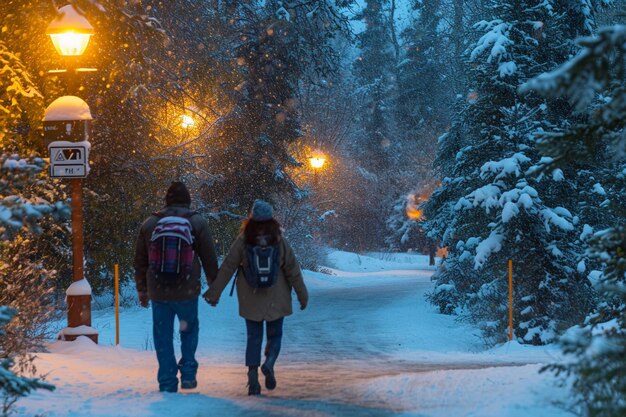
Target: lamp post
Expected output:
[67,122]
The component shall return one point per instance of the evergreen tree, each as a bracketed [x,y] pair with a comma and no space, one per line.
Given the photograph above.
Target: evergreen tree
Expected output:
[423,98]
[255,136]
[422,103]
[375,71]
[594,81]
[30,203]
[374,140]
[276,46]
[490,208]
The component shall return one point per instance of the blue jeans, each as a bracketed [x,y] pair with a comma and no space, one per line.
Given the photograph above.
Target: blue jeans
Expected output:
[274,331]
[163,314]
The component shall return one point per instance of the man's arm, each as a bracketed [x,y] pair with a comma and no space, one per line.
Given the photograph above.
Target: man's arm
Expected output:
[141,267]
[206,252]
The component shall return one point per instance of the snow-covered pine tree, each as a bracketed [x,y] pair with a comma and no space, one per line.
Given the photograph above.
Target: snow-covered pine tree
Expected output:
[489,208]
[595,82]
[12,386]
[26,198]
[24,193]
[403,230]
[276,45]
[374,142]
[422,105]
[29,202]
[423,98]
[375,71]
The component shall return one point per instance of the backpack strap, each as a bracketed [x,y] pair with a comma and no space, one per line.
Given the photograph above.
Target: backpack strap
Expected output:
[161,214]
[232,288]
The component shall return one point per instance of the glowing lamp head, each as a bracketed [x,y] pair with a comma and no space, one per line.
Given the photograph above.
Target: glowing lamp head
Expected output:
[70,43]
[187,121]
[318,160]
[70,32]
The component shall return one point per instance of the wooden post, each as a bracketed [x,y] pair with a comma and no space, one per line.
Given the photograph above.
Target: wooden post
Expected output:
[510,300]
[117,305]
[78,257]
[78,306]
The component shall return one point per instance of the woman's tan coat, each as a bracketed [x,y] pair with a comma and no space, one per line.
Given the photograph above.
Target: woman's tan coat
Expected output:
[262,303]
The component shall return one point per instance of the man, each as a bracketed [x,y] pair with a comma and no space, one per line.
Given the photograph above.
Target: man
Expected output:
[174,296]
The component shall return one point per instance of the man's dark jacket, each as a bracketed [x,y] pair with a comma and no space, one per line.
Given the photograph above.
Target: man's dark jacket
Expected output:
[204,253]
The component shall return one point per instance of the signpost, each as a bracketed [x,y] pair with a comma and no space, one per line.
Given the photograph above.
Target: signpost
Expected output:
[66,132]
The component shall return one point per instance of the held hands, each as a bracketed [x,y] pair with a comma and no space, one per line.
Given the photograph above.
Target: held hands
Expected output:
[207,298]
[143,299]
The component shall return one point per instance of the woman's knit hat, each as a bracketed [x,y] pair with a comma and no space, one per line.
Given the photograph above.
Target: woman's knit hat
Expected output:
[262,211]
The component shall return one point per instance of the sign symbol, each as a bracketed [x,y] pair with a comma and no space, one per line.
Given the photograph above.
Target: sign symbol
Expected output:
[73,154]
[60,156]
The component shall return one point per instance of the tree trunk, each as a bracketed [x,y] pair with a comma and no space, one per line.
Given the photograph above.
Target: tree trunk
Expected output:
[458,37]
[392,28]
[432,251]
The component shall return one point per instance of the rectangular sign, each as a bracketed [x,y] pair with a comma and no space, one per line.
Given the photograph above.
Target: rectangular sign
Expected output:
[68,171]
[69,160]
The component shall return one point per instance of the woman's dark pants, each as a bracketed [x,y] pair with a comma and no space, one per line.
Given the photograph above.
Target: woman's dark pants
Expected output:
[274,331]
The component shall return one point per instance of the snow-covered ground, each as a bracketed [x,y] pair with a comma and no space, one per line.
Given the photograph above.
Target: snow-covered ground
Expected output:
[367,345]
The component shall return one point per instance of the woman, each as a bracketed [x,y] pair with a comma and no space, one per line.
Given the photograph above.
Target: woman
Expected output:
[267,305]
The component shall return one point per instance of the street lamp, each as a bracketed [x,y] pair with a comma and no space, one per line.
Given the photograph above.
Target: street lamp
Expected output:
[187,122]
[70,32]
[317,160]
[66,132]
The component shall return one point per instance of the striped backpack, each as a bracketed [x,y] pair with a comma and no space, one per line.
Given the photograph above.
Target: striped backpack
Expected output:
[171,253]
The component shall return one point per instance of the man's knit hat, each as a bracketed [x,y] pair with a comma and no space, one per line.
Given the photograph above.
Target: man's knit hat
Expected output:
[262,211]
[177,194]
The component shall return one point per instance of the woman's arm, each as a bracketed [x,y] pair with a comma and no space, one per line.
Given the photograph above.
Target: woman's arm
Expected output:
[293,273]
[227,269]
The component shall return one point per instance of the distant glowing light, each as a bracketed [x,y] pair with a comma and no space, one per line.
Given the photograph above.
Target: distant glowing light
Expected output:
[187,121]
[412,209]
[317,160]
[472,97]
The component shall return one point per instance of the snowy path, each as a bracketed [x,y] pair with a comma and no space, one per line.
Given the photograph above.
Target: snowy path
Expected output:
[368,345]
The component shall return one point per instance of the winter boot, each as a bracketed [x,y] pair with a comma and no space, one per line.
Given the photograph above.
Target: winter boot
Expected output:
[254,388]
[270,379]
[189,384]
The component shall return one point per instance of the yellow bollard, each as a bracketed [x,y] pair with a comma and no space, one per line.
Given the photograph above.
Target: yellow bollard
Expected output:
[117,305]
[510,300]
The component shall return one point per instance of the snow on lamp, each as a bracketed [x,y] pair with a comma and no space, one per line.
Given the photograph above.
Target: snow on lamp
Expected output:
[70,32]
